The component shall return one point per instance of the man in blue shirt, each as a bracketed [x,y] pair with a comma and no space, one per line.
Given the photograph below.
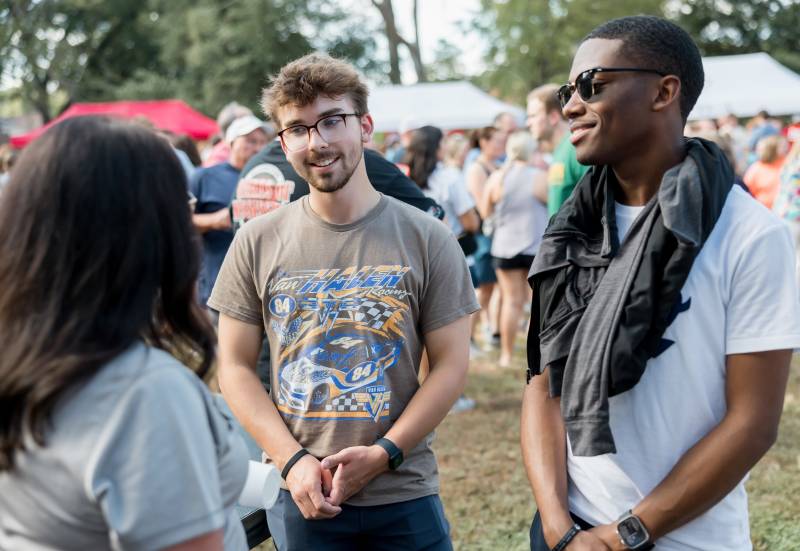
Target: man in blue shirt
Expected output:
[214,188]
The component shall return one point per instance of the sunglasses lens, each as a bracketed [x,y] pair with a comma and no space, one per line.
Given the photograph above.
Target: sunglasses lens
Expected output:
[564,93]
[584,86]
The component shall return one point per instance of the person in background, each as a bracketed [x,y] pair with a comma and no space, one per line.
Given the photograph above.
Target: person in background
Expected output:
[787,202]
[516,198]
[214,187]
[761,126]
[424,157]
[762,178]
[506,123]
[735,134]
[184,143]
[8,157]
[106,440]
[491,143]
[456,147]
[444,184]
[221,150]
[548,127]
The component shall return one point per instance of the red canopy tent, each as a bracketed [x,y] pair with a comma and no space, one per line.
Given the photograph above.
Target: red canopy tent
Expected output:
[170,114]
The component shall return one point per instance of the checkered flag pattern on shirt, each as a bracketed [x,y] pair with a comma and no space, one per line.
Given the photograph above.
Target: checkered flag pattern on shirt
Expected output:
[374,313]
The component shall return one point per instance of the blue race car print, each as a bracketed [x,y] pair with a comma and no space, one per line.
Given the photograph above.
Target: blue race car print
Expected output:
[338,365]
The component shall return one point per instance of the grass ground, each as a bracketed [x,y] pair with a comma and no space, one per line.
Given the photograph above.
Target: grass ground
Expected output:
[486,494]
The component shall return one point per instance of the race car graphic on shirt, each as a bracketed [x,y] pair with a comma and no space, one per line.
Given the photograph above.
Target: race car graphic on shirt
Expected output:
[339,331]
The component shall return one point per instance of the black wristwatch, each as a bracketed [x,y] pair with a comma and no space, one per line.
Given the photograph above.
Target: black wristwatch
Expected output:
[395,453]
[632,532]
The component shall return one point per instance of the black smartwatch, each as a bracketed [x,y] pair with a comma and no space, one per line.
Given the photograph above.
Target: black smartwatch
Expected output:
[395,453]
[632,532]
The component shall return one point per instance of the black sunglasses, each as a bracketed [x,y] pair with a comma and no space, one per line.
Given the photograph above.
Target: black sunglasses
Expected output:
[584,84]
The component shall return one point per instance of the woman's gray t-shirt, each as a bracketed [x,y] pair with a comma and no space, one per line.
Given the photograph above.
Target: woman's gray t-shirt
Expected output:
[140,457]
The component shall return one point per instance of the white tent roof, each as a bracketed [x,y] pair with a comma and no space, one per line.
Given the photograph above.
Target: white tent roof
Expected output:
[448,105]
[744,85]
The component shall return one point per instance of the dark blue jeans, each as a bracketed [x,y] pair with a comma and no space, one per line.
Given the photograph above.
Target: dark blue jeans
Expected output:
[537,533]
[414,525]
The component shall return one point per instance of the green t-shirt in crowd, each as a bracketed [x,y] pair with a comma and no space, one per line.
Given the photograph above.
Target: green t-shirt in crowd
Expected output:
[563,175]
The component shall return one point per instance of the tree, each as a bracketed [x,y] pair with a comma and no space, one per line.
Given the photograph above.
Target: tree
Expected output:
[395,40]
[739,26]
[532,43]
[49,46]
[206,52]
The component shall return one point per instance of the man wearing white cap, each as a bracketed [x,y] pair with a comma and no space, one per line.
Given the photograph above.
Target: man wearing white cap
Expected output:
[214,188]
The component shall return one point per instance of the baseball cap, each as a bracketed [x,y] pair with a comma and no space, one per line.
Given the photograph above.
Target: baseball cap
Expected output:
[243,126]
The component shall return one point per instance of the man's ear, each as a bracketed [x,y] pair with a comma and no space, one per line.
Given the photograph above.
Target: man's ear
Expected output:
[367,127]
[668,93]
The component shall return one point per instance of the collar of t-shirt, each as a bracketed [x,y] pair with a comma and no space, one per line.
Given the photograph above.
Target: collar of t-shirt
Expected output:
[371,215]
[625,216]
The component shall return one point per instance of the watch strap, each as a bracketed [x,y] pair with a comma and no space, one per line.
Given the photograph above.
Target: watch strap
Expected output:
[568,537]
[393,451]
[299,454]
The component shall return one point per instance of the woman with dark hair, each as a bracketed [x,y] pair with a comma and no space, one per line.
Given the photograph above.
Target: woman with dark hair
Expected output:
[106,440]
[443,184]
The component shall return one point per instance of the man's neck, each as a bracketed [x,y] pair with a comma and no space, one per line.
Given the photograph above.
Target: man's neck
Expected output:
[639,176]
[559,131]
[348,204]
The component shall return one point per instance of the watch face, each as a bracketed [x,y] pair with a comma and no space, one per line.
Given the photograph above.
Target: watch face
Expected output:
[632,532]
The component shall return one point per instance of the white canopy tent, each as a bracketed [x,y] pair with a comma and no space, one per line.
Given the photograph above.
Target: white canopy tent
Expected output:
[448,105]
[744,85]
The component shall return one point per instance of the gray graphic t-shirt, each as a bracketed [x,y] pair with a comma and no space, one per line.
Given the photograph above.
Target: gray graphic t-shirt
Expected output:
[345,308]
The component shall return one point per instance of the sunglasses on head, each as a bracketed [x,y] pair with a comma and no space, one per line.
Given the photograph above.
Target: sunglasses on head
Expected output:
[584,84]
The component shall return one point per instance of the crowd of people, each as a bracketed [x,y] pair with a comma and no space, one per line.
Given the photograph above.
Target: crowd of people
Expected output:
[339,292]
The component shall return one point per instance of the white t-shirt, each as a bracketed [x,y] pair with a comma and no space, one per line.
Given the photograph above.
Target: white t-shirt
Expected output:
[740,297]
[446,186]
[625,217]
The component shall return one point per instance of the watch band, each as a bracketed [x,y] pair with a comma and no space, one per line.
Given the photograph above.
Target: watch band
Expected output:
[568,537]
[395,453]
[302,452]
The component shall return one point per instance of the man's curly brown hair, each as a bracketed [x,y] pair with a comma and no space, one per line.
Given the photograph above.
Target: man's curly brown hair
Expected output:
[303,80]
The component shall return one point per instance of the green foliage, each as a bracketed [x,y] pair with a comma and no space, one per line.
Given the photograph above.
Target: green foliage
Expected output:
[532,43]
[743,26]
[206,52]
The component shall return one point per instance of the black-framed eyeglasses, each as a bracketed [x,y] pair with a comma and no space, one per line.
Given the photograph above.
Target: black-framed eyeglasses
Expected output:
[584,83]
[330,128]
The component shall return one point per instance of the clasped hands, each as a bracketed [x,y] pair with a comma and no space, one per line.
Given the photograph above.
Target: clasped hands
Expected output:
[320,487]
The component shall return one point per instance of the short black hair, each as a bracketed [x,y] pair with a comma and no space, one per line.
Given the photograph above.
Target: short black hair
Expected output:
[660,45]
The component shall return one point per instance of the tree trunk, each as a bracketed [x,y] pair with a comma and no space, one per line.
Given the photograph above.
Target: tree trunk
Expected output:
[393,37]
[414,49]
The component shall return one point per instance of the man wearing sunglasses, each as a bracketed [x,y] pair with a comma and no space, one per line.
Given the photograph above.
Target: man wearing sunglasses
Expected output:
[664,317]
[350,286]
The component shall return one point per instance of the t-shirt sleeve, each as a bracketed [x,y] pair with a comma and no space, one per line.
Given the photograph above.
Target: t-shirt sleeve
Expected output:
[763,312]
[235,292]
[448,294]
[154,471]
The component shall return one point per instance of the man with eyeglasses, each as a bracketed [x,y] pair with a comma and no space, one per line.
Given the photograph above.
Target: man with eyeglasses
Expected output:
[350,285]
[548,127]
[664,317]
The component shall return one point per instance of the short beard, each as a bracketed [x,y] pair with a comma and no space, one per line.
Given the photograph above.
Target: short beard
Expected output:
[327,185]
